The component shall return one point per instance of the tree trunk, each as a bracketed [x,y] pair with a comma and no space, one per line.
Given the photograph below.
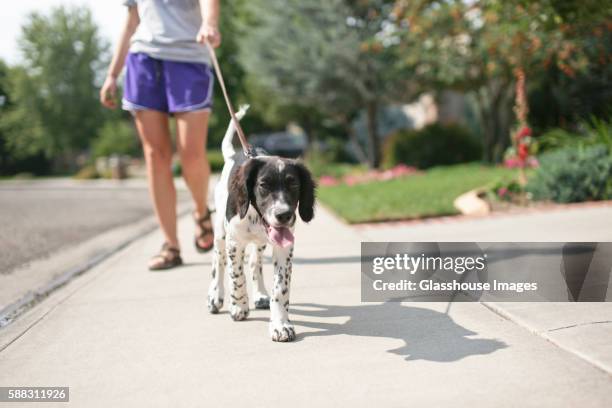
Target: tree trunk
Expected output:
[506,118]
[486,127]
[372,124]
[361,155]
[493,106]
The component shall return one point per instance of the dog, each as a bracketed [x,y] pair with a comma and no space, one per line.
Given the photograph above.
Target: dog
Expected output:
[256,200]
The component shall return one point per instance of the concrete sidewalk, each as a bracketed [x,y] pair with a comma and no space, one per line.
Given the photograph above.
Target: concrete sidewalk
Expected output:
[122,336]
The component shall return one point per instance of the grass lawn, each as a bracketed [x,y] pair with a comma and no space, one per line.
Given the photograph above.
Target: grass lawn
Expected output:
[427,195]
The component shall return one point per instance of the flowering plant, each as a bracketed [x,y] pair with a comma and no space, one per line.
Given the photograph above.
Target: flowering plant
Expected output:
[519,155]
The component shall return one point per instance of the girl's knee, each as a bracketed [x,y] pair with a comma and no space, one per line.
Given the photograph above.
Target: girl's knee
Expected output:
[195,159]
[157,155]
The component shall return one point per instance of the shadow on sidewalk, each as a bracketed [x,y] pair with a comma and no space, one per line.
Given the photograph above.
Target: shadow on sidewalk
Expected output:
[316,261]
[197,263]
[427,334]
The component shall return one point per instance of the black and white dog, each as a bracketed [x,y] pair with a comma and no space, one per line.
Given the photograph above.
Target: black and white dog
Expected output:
[256,200]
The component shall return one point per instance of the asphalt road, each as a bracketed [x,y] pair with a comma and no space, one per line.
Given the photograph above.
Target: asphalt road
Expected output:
[40,217]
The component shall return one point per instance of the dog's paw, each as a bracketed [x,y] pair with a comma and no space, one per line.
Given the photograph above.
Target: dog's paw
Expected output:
[262,302]
[214,304]
[238,313]
[282,331]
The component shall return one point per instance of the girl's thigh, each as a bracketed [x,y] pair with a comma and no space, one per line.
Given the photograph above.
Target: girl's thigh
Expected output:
[154,132]
[192,132]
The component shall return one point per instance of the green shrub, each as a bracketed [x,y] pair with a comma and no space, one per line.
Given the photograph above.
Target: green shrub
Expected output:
[116,137]
[573,174]
[324,163]
[215,158]
[88,172]
[177,169]
[336,151]
[592,132]
[433,145]
[556,139]
[599,131]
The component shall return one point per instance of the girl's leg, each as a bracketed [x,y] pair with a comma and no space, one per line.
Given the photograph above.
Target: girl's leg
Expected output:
[192,130]
[155,136]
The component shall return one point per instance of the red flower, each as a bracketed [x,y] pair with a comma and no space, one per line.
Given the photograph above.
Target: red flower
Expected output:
[523,151]
[524,132]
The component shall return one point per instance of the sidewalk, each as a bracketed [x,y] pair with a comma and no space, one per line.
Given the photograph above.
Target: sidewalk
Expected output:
[122,336]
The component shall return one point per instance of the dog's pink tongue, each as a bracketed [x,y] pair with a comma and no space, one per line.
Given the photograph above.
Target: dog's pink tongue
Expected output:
[281,236]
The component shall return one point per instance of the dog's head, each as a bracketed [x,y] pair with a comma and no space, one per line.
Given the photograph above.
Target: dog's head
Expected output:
[276,187]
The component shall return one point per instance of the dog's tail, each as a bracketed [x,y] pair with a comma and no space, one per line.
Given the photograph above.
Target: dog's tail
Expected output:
[227,147]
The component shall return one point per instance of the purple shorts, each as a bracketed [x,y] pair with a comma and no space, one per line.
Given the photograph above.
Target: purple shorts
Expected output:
[166,86]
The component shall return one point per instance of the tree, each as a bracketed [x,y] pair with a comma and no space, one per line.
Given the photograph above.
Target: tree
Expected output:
[333,57]
[15,156]
[477,47]
[565,97]
[4,105]
[56,109]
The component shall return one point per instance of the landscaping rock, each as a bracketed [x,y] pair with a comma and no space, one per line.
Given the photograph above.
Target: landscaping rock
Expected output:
[470,203]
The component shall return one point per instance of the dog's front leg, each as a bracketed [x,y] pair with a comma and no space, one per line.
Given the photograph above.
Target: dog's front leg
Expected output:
[281,328]
[239,309]
[219,261]
[261,297]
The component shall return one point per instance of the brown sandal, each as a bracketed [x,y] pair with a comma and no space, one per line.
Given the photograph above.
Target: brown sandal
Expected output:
[167,258]
[206,229]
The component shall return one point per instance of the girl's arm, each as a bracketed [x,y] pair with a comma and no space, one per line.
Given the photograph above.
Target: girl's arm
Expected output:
[209,32]
[109,89]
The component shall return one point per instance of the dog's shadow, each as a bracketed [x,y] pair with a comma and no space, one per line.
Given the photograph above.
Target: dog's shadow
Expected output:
[427,334]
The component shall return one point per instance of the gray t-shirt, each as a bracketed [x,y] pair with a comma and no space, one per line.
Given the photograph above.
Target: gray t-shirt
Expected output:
[168,30]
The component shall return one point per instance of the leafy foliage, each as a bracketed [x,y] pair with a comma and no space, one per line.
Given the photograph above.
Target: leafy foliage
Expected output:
[116,137]
[323,55]
[323,64]
[215,159]
[431,146]
[573,175]
[593,132]
[235,77]
[56,110]
[475,46]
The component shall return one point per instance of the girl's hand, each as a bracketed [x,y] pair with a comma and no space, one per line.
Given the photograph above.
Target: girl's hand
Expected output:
[108,92]
[209,33]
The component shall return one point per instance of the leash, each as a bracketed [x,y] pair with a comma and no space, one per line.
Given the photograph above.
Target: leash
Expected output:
[246,147]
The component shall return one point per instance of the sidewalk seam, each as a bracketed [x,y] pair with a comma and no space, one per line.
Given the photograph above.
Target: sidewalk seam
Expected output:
[578,325]
[543,334]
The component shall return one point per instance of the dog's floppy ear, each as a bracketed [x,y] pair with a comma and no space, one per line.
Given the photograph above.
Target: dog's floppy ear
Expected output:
[307,193]
[240,188]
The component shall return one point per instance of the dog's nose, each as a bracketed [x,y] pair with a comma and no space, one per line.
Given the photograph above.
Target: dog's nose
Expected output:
[283,216]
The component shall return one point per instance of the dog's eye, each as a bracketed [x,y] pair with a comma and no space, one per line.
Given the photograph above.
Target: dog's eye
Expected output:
[291,181]
[264,185]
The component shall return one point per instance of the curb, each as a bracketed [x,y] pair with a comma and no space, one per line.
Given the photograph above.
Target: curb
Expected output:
[445,219]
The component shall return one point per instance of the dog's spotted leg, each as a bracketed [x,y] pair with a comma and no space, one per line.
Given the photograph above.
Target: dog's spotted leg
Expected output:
[281,328]
[219,262]
[261,297]
[239,309]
